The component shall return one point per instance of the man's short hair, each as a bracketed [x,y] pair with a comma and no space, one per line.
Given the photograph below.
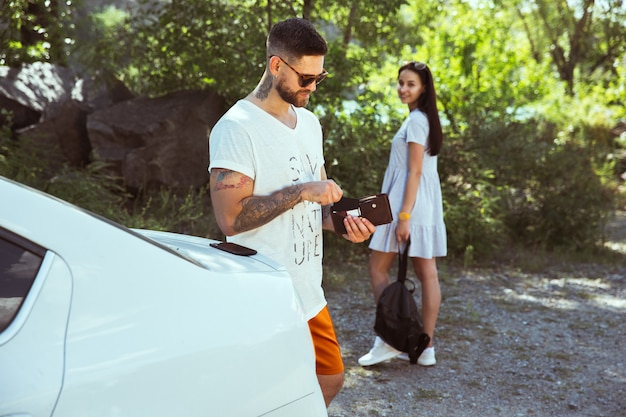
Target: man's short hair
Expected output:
[295,38]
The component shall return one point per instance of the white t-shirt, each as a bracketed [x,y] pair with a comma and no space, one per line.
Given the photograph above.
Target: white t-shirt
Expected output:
[250,141]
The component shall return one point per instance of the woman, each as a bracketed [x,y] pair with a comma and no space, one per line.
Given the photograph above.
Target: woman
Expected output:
[412,183]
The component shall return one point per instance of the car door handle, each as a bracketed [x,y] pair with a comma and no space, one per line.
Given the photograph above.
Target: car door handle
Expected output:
[17,415]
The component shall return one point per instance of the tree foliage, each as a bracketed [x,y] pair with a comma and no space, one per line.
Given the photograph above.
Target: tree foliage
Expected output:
[528,91]
[582,35]
[33,31]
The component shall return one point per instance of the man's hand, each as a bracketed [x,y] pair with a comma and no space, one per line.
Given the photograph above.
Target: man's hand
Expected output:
[324,192]
[359,229]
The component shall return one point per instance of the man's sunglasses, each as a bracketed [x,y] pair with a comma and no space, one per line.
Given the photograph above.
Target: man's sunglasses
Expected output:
[305,80]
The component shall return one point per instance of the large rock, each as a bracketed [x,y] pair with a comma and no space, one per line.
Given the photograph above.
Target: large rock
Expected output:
[30,91]
[49,107]
[159,141]
[64,136]
[21,116]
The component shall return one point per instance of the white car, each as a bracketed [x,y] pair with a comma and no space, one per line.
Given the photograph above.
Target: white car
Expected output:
[100,320]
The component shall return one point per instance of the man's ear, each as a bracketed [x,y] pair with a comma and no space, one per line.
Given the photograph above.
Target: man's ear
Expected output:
[274,64]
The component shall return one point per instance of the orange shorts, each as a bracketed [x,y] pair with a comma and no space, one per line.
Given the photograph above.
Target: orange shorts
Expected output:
[327,352]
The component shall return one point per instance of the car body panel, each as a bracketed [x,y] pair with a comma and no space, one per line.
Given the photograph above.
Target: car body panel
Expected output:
[32,348]
[196,248]
[150,332]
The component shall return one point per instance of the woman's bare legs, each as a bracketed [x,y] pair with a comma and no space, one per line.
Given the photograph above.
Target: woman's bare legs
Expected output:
[426,272]
[379,266]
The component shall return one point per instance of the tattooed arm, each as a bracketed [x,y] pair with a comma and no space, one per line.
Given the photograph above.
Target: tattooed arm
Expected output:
[238,210]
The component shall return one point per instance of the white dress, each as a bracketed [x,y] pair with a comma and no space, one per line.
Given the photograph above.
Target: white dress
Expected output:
[427,227]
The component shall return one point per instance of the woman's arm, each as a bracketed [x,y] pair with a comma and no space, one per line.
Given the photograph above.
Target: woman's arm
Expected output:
[415,162]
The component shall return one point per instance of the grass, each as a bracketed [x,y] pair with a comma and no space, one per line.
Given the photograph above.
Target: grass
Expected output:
[426,395]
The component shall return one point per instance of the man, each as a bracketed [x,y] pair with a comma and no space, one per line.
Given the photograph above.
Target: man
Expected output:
[268,182]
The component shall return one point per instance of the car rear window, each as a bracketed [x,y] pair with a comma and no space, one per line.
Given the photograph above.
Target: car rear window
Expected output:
[20,260]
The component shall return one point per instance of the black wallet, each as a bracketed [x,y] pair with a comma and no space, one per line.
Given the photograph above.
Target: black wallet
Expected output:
[374,208]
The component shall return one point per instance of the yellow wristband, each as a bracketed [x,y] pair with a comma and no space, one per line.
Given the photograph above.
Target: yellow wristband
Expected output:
[404,216]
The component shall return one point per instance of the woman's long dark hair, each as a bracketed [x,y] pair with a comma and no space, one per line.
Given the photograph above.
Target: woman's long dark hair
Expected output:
[427,102]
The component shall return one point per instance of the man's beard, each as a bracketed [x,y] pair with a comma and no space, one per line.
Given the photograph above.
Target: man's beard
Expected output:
[290,96]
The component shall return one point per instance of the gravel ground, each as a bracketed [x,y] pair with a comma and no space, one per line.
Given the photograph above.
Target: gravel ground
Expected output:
[508,343]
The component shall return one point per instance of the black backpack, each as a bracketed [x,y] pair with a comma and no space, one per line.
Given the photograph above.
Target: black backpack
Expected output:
[398,321]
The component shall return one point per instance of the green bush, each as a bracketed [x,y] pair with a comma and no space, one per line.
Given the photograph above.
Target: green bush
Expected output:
[356,149]
[529,184]
[564,198]
[471,212]
[181,211]
[523,161]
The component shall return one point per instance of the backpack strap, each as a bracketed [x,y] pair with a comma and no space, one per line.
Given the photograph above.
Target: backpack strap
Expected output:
[417,344]
[402,261]
[403,258]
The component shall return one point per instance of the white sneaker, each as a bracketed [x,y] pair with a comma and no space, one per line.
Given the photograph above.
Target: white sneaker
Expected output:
[427,358]
[381,351]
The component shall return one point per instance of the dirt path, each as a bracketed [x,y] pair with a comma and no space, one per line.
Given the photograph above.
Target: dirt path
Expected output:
[508,344]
